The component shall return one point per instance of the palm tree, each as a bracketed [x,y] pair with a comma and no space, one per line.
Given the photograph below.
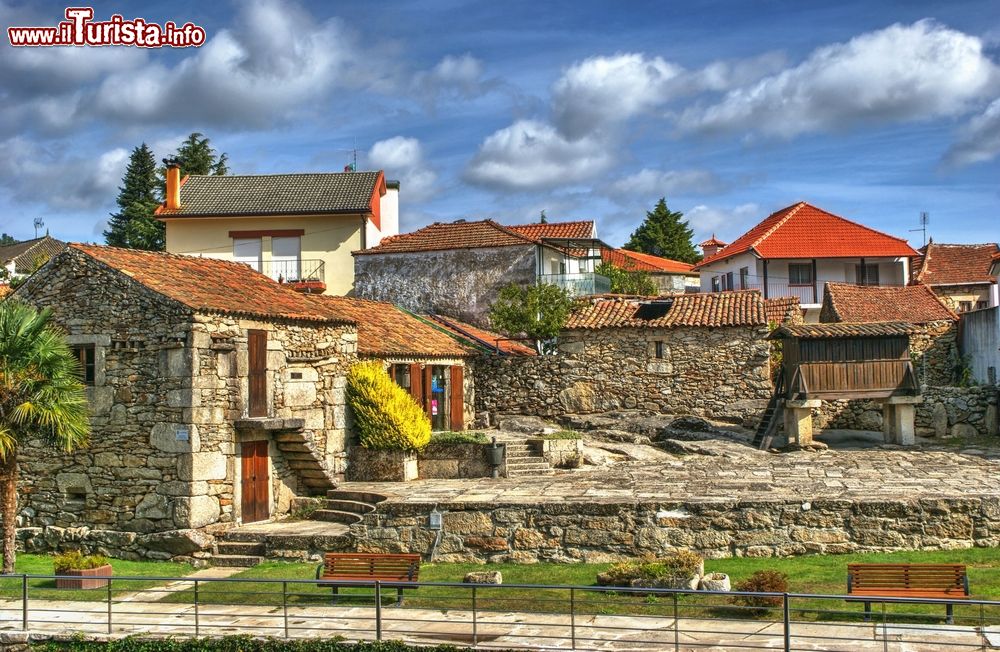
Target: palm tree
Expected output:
[41,395]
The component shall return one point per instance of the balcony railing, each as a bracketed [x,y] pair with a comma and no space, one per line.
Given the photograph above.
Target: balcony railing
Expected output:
[811,293]
[578,285]
[294,271]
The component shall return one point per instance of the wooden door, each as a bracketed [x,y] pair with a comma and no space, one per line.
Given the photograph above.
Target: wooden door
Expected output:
[254,503]
[257,376]
[457,399]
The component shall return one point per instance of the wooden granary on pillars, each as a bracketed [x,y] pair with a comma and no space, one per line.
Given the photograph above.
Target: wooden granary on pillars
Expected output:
[848,361]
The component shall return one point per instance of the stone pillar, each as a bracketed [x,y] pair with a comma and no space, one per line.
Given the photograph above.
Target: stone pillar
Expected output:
[798,421]
[898,416]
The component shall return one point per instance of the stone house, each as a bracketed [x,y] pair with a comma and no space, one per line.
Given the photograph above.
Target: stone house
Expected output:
[295,228]
[459,268]
[22,258]
[217,395]
[670,276]
[960,274]
[702,354]
[934,345]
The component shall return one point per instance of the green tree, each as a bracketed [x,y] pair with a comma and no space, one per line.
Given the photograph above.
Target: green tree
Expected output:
[134,226]
[536,311]
[198,157]
[41,396]
[664,233]
[628,281]
[7,240]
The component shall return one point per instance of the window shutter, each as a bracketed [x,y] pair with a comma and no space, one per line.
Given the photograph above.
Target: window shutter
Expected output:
[416,386]
[457,399]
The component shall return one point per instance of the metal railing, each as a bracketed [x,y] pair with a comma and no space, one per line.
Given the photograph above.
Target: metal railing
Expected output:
[578,285]
[510,616]
[294,271]
[810,293]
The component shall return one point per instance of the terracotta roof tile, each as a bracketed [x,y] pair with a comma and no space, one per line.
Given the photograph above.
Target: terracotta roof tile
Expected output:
[386,331]
[956,264]
[4,290]
[778,308]
[820,331]
[916,304]
[582,230]
[208,284]
[633,260]
[454,235]
[481,337]
[804,231]
[713,241]
[740,308]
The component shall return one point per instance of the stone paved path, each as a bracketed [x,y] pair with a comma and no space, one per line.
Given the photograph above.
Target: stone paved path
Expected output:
[746,473]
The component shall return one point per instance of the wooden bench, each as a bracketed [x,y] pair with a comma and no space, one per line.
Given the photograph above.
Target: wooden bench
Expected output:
[944,581]
[361,567]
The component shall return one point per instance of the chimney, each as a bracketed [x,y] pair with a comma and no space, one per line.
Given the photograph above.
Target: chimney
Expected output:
[173,198]
[711,246]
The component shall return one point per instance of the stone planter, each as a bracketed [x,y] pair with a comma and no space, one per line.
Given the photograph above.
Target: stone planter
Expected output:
[679,582]
[85,580]
[369,465]
[715,582]
[449,461]
[560,453]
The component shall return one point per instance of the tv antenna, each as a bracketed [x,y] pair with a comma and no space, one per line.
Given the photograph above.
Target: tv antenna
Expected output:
[354,155]
[39,223]
[925,219]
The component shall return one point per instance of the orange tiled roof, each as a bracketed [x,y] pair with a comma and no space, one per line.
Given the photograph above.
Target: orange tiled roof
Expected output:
[4,290]
[208,284]
[634,260]
[823,331]
[956,264]
[739,308]
[482,337]
[804,231]
[777,309]
[582,230]
[916,304]
[454,235]
[713,241]
[385,330]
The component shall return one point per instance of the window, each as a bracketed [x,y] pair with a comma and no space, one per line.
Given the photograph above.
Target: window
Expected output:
[964,306]
[866,274]
[982,305]
[715,284]
[658,350]
[88,362]
[729,281]
[247,251]
[800,274]
[401,374]
[285,258]
[744,277]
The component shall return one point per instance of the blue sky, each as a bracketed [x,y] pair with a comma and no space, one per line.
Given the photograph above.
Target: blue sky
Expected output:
[589,110]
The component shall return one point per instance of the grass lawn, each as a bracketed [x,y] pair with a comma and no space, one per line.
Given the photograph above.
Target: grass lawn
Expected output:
[10,587]
[808,574]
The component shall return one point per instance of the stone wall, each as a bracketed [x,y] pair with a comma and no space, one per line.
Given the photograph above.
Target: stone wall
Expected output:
[463,283]
[454,461]
[934,352]
[600,532]
[720,373]
[945,412]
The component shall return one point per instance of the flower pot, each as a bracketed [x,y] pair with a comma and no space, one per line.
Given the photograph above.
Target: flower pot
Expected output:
[84,578]
[715,582]
[677,582]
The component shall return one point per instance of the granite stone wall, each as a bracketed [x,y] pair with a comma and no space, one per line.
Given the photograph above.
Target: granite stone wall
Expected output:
[719,373]
[462,283]
[934,352]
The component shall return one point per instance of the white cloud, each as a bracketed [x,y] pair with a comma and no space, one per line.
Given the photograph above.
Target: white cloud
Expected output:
[532,155]
[728,223]
[979,140]
[602,91]
[900,73]
[403,157]
[460,76]
[648,182]
[55,177]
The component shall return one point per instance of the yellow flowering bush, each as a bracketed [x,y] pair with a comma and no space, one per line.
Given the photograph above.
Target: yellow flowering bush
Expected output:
[385,415]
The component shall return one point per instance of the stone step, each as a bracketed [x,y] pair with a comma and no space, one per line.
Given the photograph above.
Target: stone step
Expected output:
[526,454]
[237,561]
[239,535]
[288,437]
[359,496]
[336,516]
[337,504]
[528,467]
[291,447]
[521,473]
[315,472]
[241,548]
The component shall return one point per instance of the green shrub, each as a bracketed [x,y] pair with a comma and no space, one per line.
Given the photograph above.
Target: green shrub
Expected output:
[762,581]
[682,563]
[562,434]
[75,560]
[386,416]
[459,438]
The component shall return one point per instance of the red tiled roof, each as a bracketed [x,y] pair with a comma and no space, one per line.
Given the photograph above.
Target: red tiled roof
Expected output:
[778,308]
[740,308]
[823,331]
[582,230]
[804,231]
[482,337]
[633,260]
[858,304]
[713,241]
[454,235]
[956,264]
[385,330]
[208,284]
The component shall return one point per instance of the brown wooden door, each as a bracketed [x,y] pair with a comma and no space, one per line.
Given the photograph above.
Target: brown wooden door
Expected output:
[257,377]
[457,399]
[254,503]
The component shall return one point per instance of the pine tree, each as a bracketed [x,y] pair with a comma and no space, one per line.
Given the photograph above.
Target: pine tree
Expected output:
[666,234]
[7,240]
[134,225]
[197,157]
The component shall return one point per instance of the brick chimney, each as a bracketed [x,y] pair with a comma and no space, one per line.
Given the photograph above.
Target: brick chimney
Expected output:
[711,246]
[173,198]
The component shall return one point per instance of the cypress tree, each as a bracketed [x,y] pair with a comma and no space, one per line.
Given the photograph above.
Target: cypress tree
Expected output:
[664,233]
[133,226]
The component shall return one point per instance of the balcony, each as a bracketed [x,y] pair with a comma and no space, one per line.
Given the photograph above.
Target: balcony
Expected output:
[302,275]
[807,294]
[578,285]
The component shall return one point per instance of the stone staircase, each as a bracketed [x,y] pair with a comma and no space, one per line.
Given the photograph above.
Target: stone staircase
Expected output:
[524,460]
[305,462]
[241,549]
[347,507]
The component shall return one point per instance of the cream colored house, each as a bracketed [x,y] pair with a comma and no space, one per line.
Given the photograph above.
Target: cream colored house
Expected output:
[296,228]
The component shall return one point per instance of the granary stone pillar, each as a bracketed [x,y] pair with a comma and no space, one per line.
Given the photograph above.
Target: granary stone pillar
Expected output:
[798,421]
[898,417]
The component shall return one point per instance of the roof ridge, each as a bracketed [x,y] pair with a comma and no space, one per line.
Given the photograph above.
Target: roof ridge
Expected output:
[508,231]
[278,174]
[857,224]
[792,210]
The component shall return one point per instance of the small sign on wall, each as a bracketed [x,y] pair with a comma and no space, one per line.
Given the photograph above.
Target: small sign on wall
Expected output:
[182,435]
